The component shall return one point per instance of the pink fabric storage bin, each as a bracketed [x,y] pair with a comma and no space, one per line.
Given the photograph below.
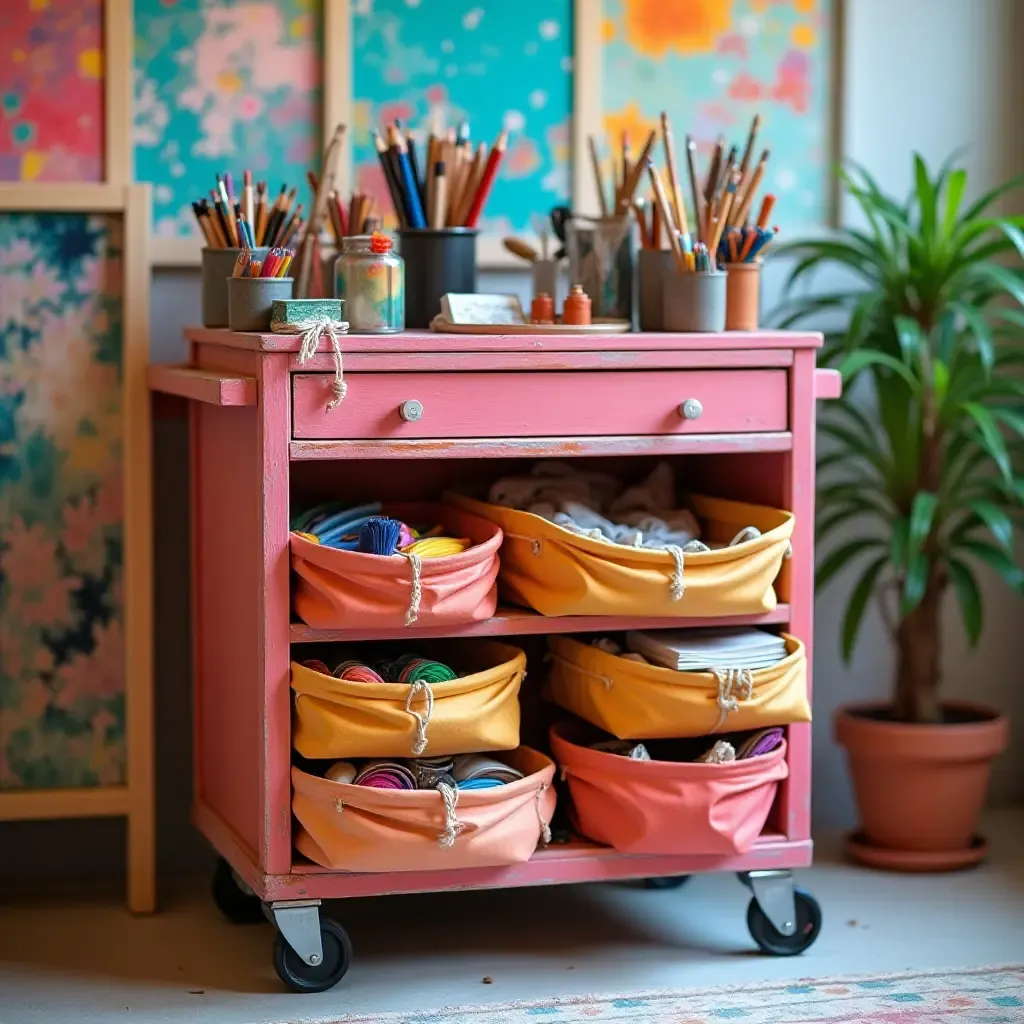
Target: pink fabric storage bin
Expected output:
[665,807]
[358,828]
[335,589]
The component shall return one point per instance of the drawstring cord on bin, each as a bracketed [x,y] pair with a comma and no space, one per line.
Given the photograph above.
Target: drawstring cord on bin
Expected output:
[732,680]
[312,331]
[452,825]
[422,721]
[545,827]
[412,613]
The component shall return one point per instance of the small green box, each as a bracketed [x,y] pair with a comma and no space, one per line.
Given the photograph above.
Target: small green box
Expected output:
[296,311]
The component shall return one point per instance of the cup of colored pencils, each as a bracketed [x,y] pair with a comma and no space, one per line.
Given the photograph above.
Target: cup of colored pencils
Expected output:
[232,223]
[254,285]
[438,191]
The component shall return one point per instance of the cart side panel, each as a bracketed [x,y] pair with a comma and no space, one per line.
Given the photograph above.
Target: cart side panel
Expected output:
[227,611]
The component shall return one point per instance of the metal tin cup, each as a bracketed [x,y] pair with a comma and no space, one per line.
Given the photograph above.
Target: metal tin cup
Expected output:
[652,266]
[694,302]
[742,296]
[437,261]
[218,265]
[251,301]
[601,256]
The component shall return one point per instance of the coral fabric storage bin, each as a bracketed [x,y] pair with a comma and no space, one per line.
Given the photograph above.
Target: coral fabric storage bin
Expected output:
[334,588]
[558,572]
[633,701]
[477,712]
[665,807]
[358,828]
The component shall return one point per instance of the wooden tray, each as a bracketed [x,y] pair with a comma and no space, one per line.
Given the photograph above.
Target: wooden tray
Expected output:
[599,326]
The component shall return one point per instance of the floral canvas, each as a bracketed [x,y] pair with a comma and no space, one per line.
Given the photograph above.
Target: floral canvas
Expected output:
[61,643]
[494,63]
[220,86]
[51,90]
[714,64]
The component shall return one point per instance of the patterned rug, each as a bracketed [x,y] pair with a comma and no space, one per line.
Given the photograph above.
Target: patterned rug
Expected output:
[984,995]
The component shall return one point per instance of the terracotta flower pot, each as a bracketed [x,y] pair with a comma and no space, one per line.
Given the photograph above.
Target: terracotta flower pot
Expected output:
[920,788]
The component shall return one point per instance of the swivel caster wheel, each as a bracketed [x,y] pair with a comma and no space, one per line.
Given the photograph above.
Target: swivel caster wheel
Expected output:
[239,905]
[772,941]
[334,962]
[669,882]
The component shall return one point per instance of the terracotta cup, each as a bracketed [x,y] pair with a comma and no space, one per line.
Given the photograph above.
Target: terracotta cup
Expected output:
[742,296]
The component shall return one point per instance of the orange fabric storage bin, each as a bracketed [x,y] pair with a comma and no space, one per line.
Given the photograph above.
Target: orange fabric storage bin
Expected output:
[358,828]
[558,572]
[665,807]
[477,712]
[634,701]
[337,589]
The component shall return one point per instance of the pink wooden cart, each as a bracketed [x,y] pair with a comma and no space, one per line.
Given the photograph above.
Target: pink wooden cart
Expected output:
[735,411]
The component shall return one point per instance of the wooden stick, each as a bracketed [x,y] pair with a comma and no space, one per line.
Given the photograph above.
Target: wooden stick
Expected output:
[714,170]
[755,183]
[595,160]
[748,153]
[678,206]
[439,203]
[666,213]
[698,206]
[629,188]
[723,216]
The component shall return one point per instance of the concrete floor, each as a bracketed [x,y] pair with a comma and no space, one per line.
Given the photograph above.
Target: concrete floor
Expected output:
[89,963]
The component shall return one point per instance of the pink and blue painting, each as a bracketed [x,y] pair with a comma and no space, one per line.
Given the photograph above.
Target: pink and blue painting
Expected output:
[61,641]
[493,63]
[712,65]
[51,90]
[220,86]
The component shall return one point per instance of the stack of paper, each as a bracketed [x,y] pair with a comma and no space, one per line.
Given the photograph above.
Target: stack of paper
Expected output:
[697,650]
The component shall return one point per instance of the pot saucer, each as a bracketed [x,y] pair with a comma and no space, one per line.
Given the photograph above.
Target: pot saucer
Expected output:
[885,859]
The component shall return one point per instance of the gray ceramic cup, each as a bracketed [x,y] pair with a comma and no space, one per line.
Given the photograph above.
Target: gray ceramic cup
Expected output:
[652,267]
[694,302]
[218,266]
[251,301]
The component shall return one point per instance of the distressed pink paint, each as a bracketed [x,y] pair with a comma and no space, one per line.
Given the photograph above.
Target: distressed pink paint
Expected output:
[484,398]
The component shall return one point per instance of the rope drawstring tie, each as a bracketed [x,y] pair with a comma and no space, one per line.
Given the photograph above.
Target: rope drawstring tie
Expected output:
[312,331]
[412,613]
[422,721]
[545,827]
[734,685]
[676,587]
[452,825]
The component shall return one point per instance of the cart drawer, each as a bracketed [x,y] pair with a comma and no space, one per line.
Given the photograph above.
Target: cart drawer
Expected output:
[584,404]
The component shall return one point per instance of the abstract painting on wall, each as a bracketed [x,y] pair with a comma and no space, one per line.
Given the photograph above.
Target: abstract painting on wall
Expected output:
[61,641]
[219,86]
[494,63]
[712,65]
[51,90]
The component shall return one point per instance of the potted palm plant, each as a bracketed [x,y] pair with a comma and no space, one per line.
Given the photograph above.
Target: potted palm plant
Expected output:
[918,486]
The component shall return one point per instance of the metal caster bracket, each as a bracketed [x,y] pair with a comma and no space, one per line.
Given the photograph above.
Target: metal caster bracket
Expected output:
[773,891]
[298,921]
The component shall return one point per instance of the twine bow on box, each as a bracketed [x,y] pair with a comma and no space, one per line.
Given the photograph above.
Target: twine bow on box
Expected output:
[312,331]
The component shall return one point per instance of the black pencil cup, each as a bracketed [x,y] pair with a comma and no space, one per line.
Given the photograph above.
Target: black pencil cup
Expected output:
[436,262]
[218,266]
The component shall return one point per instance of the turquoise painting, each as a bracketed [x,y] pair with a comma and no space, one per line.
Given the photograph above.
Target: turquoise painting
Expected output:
[61,641]
[495,63]
[220,86]
[712,65]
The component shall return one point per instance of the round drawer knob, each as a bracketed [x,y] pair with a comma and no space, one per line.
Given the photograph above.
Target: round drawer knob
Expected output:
[411,410]
[691,409]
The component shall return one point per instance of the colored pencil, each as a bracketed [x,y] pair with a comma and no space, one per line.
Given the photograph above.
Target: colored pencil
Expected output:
[678,206]
[487,180]
[595,160]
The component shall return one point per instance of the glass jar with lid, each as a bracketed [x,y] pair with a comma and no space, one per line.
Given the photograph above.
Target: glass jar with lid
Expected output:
[370,278]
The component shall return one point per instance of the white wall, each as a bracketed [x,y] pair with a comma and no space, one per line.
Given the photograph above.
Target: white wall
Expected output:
[919,74]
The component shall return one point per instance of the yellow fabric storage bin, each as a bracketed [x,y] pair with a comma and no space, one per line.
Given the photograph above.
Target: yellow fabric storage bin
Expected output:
[477,712]
[634,701]
[558,572]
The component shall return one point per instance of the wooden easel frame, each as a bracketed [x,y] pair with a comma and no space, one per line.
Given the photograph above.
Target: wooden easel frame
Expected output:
[135,799]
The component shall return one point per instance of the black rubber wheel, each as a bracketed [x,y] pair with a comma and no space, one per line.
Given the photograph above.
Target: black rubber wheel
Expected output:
[773,942]
[236,904]
[670,882]
[300,976]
